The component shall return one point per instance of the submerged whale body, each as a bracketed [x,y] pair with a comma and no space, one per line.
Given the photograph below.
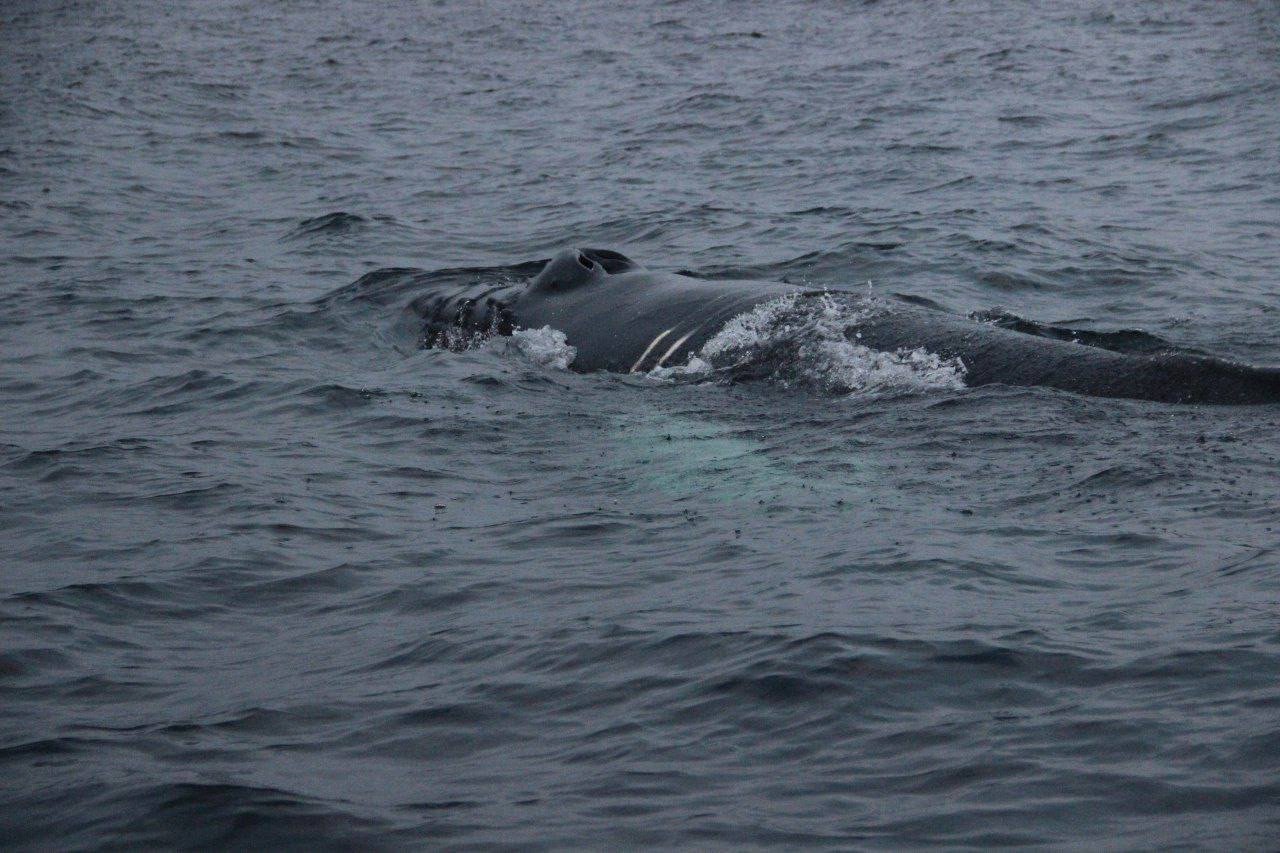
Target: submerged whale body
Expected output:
[622,317]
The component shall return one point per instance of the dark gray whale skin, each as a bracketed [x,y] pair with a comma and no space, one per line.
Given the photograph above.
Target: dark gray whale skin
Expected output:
[609,307]
[622,317]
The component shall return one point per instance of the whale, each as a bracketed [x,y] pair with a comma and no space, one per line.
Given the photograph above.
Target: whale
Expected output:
[622,317]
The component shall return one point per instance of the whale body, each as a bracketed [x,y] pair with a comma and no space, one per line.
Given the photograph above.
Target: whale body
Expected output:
[622,317]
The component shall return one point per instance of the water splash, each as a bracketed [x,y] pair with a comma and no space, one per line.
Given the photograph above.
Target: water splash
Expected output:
[546,346]
[456,338]
[804,341]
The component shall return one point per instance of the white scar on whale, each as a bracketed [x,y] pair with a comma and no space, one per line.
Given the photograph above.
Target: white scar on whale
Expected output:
[639,361]
[673,348]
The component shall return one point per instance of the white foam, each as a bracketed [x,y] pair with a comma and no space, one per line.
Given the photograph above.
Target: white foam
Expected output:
[804,341]
[546,346]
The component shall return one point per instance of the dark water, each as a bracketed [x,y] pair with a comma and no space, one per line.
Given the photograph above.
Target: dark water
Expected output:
[269,576]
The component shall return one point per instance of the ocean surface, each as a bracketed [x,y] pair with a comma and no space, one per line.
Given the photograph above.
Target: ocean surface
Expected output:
[274,575]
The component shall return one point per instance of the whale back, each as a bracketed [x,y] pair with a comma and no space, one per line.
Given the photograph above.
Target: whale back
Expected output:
[619,316]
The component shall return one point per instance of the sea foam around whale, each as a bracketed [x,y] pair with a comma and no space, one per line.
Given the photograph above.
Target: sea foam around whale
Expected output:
[803,341]
[545,346]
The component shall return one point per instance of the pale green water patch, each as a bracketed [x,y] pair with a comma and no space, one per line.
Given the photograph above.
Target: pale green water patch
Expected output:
[686,458]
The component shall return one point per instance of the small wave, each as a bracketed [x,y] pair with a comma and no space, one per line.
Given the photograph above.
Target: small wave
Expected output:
[338,222]
[803,341]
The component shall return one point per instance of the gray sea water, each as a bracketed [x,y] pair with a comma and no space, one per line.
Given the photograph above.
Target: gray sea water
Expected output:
[269,578]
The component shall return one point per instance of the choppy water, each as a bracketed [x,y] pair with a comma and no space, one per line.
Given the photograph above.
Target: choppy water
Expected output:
[269,576]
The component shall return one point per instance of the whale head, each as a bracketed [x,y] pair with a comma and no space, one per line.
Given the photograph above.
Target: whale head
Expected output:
[571,269]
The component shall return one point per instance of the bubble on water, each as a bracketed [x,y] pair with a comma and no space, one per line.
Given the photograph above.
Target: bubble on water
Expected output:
[811,342]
